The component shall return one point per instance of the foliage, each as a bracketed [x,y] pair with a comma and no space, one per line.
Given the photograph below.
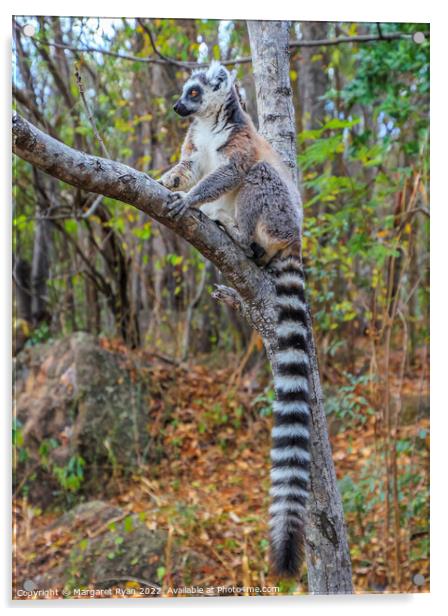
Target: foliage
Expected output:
[349,405]
[69,476]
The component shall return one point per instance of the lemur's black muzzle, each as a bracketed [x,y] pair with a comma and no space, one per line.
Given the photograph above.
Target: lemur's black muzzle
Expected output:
[181,109]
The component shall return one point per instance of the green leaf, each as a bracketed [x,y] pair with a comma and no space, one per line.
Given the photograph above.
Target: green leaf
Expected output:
[71,226]
[128,524]
[83,544]
[337,123]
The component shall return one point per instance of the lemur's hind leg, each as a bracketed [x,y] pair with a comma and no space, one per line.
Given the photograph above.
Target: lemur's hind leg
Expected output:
[252,250]
[238,235]
[239,238]
[266,212]
[249,213]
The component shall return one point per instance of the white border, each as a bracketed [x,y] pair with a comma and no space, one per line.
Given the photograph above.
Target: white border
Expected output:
[380,10]
[325,10]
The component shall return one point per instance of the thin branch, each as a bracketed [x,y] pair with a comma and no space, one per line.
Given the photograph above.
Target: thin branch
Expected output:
[190,310]
[89,112]
[360,38]
[88,49]
[93,208]
[162,59]
[185,65]
[115,54]
[154,47]
[410,214]
[62,86]
[101,283]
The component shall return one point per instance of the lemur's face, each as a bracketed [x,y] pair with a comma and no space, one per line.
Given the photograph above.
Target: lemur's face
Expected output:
[205,92]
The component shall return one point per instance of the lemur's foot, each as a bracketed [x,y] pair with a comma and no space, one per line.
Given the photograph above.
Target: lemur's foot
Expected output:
[248,250]
[228,296]
[177,205]
[235,235]
[257,252]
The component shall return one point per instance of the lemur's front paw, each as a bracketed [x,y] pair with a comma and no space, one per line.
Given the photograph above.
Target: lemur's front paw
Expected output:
[177,204]
[170,180]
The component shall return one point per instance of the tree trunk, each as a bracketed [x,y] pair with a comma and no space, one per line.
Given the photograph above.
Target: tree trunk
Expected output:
[270,61]
[328,556]
[21,304]
[313,80]
[92,304]
[22,291]
[40,268]
[312,85]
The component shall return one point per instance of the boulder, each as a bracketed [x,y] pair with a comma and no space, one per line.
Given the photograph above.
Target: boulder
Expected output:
[99,546]
[82,414]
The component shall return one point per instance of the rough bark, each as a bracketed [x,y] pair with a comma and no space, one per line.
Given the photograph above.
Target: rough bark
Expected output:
[328,556]
[270,62]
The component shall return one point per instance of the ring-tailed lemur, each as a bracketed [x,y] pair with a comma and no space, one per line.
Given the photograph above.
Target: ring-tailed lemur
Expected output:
[237,179]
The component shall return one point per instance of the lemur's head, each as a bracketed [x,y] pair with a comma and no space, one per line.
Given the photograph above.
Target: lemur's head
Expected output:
[205,91]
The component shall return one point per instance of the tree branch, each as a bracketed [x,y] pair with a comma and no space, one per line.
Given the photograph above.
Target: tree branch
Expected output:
[160,58]
[158,53]
[359,38]
[93,208]
[89,112]
[148,60]
[118,181]
[58,78]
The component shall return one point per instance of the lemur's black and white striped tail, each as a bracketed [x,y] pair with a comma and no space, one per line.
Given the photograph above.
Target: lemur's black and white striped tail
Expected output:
[290,434]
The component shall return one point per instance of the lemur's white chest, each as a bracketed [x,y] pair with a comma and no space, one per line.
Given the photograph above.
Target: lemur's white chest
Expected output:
[208,142]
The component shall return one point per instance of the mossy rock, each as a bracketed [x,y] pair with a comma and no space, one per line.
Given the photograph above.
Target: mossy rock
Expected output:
[80,401]
[106,546]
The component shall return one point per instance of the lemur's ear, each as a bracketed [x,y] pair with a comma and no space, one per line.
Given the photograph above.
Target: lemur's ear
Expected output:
[218,76]
[221,79]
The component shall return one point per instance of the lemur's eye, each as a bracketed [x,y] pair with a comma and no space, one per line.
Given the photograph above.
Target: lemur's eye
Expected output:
[194,93]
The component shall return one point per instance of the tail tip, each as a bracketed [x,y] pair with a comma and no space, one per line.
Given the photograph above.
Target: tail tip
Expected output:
[287,556]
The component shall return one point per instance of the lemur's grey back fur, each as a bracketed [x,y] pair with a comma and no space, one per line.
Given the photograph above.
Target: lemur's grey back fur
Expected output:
[237,179]
[264,201]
